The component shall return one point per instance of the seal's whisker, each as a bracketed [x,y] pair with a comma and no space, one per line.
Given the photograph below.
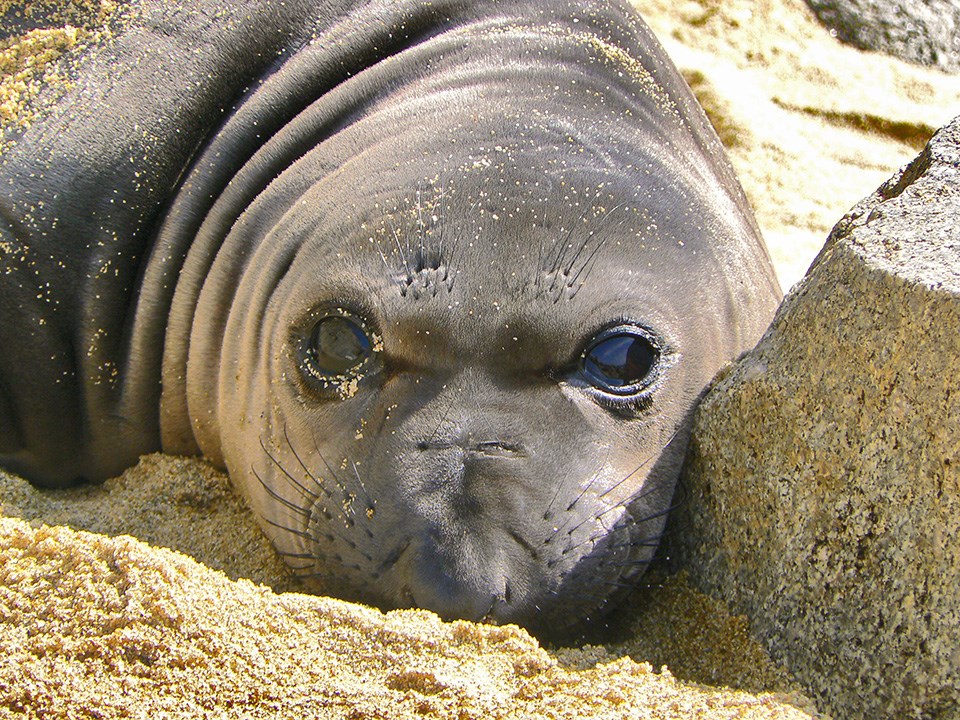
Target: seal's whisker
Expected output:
[439,221]
[647,541]
[633,472]
[403,255]
[333,473]
[288,529]
[564,244]
[562,527]
[560,485]
[280,499]
[588,519]
[602,533]
[329,530]
[679,498]
[494,435]
[585,269]
[556,532]
[390,271]
[607,492]
[547,515]
[600,243]
[589,484]
[316,480]
[420,224]
[655,516]
[450,403]
[642,465]
[309,496]
[644,492]
[303,512]
[568,269]
[296,556]
[370,503]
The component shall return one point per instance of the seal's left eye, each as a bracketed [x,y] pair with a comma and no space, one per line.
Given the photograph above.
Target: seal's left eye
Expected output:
[338,346]
[621,361]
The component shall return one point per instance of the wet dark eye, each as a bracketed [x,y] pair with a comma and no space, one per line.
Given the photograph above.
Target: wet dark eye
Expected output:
[621,361]
[338,346]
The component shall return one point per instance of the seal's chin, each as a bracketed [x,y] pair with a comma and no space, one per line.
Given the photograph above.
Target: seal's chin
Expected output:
[500,578]
[552,580]
[486,575]
[455,589]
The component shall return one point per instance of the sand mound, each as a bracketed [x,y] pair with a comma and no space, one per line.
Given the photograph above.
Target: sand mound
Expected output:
[104,625]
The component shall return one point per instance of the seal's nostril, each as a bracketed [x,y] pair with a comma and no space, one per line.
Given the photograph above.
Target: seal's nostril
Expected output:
[494,448]
[497,448]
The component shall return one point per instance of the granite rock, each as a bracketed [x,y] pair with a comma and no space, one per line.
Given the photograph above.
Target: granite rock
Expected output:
[918,31]
[824,475]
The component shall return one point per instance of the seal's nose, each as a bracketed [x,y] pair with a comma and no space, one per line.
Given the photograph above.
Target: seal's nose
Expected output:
[478,447]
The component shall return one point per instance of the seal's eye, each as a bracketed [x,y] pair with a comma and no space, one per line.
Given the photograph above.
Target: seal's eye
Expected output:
[338,346]
[620,361]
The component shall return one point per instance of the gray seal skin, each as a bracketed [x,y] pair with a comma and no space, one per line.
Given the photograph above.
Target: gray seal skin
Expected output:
[438,283]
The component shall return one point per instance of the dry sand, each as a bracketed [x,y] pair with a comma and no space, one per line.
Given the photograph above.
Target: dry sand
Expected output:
[102,625]
[811,125]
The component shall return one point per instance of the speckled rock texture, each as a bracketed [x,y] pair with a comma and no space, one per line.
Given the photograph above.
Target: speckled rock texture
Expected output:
[824,477]
[920,31]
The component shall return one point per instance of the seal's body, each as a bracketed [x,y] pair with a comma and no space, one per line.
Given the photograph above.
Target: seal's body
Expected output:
[438,283]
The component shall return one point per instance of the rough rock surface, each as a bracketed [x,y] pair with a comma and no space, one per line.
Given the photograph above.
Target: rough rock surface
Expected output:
[920,31]
[824,477]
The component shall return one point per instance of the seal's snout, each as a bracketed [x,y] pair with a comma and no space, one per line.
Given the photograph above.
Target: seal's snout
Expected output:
[453,600]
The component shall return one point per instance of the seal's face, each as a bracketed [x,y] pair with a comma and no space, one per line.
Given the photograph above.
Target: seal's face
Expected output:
[466,395]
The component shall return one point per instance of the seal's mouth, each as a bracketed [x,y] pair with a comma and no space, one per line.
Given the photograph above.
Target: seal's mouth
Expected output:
[491,580]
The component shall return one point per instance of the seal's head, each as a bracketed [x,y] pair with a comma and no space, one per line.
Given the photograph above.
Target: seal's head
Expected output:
[450,352]
[470,393]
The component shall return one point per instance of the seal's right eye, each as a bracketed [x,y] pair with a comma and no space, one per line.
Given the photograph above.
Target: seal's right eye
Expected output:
[621,361]
[337,347]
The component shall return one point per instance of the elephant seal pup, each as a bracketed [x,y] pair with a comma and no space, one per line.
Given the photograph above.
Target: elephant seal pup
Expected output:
[438,283]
